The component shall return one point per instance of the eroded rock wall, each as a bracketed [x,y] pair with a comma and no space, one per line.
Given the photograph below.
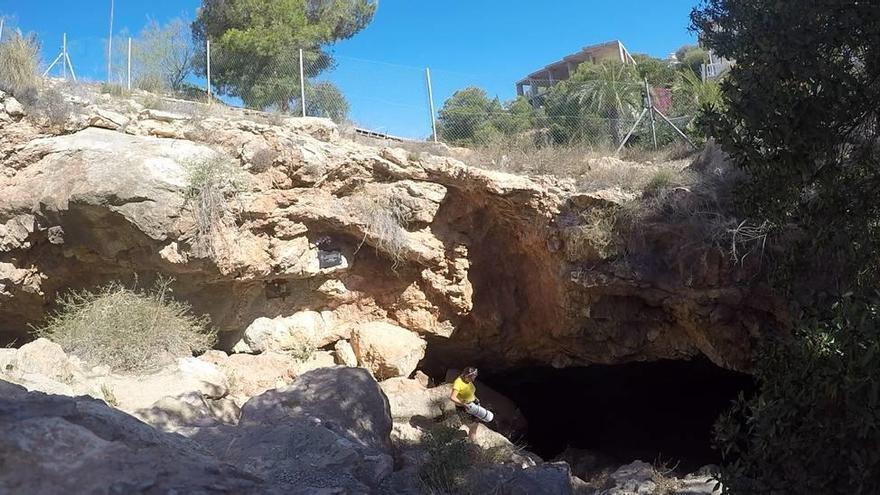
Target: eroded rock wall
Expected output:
[488,267]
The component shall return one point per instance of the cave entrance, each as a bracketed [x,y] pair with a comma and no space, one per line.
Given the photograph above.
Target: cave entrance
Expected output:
[651,411]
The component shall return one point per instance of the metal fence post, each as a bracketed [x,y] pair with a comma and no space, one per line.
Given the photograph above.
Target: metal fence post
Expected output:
[2,20]
[110,47]
[302,84]
[208,67]
[431,103]
[64,55]
[651,110]
[129,63]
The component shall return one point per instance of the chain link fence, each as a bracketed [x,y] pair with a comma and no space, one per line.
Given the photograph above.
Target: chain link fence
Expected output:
[379,99]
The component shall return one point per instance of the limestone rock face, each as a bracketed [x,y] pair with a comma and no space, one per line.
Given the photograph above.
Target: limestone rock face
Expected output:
[387,350]
[492,268]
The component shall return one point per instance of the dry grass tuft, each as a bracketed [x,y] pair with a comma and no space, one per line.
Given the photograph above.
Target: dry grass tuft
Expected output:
[385,222]
[128,330]
[595,238]
[51,108]
[212,184]
[19,67]
[263,159]
[594,167]
[109,396]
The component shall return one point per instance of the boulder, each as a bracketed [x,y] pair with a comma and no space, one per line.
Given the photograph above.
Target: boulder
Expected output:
[57,445]
[635,478]
[345,400]
[107,119]
[329,432]
[318,128]
[252,374]
[191,410]
[542,479]
[344,353]
[46,358]
[387,350]
[300,331]
[13,107]
[408,398]
[317,360]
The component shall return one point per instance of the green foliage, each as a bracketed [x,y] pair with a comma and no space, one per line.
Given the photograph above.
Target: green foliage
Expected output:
[599,100]
[693,95]
[451,457]
[800,117]
[470,117]
[814,425]
[128,330]
[657,72]
[692,57]
[798,114]
[254,43]
[19,66]
[323,99]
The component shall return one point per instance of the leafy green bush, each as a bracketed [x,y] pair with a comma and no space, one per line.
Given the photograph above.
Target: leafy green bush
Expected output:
[469,117]
[800,116]
[814,425]
[19,65]
[128,330]
[323,99]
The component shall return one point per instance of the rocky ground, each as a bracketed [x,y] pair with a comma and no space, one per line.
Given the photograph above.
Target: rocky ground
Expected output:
[359,263]
[270,423]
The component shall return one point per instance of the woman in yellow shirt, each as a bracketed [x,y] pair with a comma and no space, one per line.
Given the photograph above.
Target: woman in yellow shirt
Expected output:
[463,393]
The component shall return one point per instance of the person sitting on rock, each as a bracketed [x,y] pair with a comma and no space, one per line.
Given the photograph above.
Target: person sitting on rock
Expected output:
[464,392]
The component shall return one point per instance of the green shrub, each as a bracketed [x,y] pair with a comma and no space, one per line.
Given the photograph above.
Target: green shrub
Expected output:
[128,330]
[19,66]
[662,179]
[814,425]
[450,458]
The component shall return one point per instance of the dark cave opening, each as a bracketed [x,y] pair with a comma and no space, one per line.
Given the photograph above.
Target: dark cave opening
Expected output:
[652,411]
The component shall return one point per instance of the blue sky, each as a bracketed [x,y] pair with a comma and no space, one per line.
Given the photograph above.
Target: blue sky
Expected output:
[487,43]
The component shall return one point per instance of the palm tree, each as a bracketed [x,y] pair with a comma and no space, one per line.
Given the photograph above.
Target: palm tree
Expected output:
[691,93]
[610,90]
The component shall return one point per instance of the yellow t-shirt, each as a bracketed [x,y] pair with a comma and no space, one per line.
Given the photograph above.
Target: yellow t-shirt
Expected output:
[466,392]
